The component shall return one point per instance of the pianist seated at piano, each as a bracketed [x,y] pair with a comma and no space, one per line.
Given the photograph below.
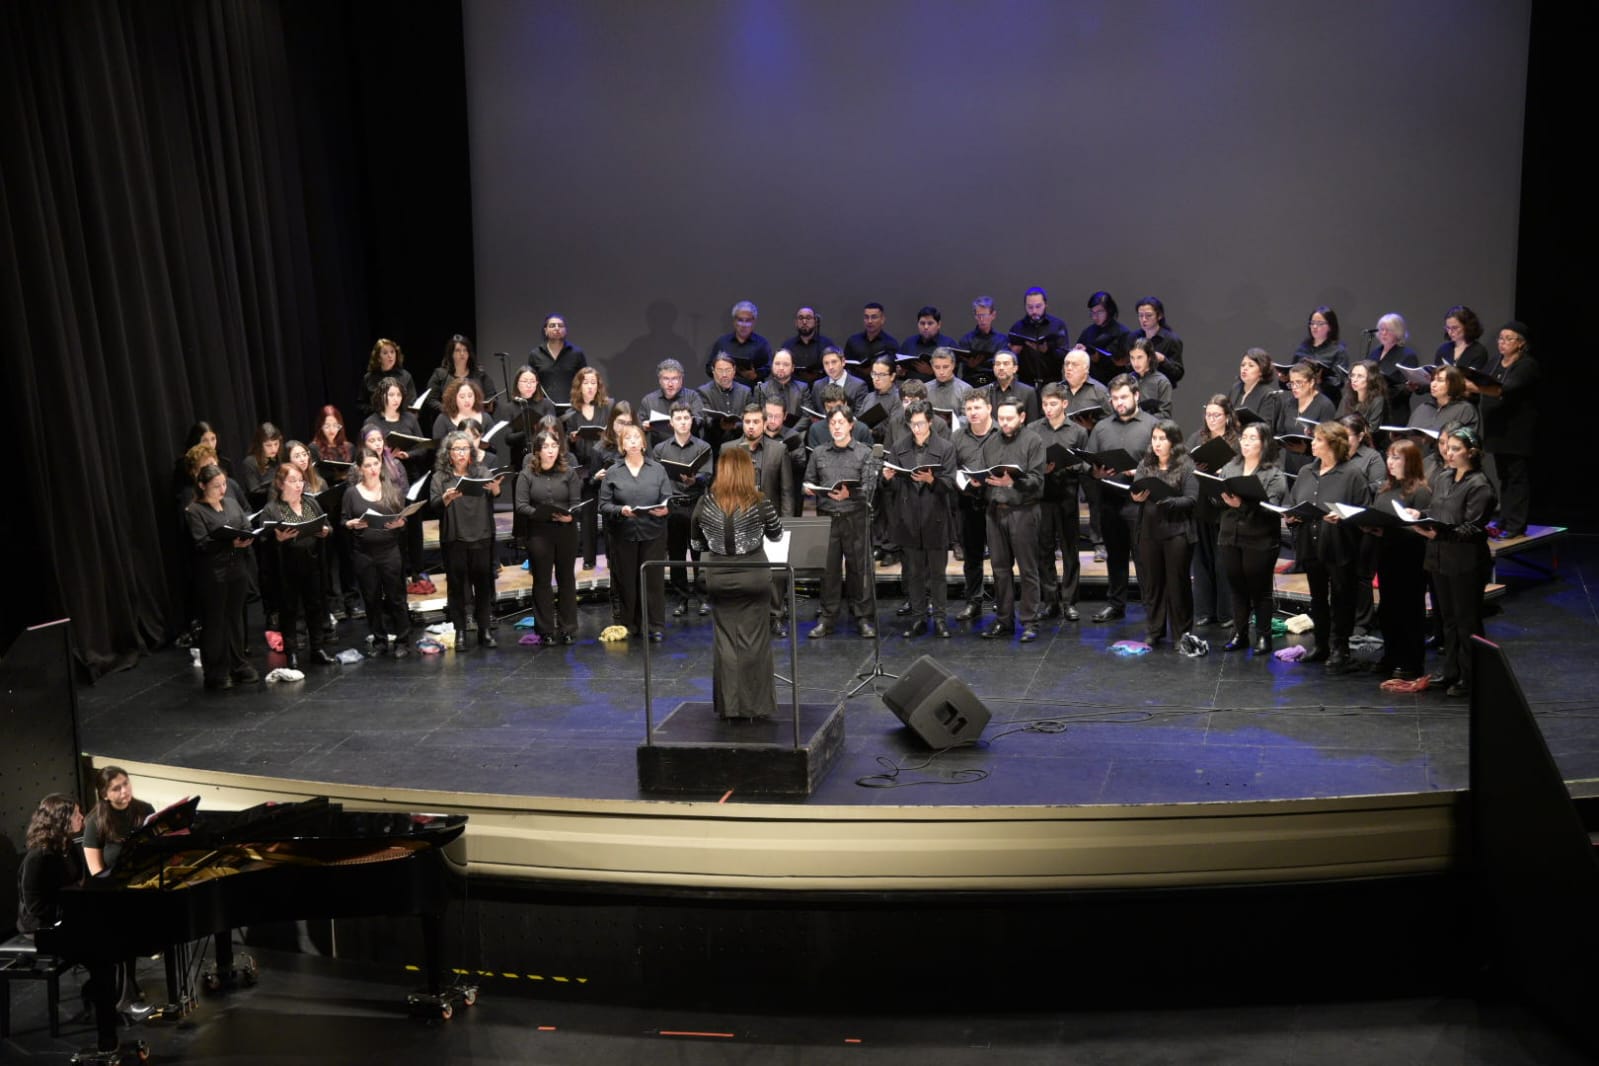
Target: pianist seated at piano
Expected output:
[116,814]
[51,863]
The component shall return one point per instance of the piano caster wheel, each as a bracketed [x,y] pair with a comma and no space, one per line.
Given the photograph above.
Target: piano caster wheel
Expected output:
[446,1012]
[469,995]
[139,1052]
[242,974]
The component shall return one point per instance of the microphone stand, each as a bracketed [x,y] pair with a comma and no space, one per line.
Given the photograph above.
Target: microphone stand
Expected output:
[869,677]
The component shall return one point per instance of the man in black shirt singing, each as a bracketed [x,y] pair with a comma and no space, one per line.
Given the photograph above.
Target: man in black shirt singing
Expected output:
[1129,430]
[929,338]
[750,352]
[849,558]
[1038,338]
[807,343]
[1013,520]
[980,343]
[863,347]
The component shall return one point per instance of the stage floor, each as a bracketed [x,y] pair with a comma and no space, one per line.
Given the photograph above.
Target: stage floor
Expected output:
[1074,723]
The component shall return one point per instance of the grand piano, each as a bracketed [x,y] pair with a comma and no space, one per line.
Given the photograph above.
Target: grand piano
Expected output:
[188,875]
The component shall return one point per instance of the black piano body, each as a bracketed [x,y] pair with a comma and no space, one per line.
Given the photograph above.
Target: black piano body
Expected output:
[177,882]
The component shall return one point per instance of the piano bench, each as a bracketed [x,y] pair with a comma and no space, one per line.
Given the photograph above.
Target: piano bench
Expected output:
[21,961]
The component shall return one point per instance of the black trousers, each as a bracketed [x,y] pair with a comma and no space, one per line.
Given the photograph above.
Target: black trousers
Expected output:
[1332,603]
[552,562]
[1515,491]
[1210,587]
[1249,573]
[1092,493]
[1459,605]
[1402,600]
[469,569]
[1120,526]
[849,559]
[624,557]
[1163,585]
[222,587]
[973,519]
[926,587]
[1058,527]
[588,523]
[381,575]
[300,593]
[1013,542]
[1365,570]
[677,530]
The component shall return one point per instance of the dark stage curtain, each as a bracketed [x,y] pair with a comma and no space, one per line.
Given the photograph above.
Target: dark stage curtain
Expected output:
[186,193]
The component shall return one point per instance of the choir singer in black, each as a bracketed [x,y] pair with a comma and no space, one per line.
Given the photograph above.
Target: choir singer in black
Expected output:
[843,477]
[919,475]
[1015,461]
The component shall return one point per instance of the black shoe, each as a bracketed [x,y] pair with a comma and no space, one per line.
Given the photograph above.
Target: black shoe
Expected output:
[320,655]
[867,630]
[400,650]
[1339,662]
[1099,555]
[1070,613]
[246,675]
[998,629]
[903,609]
[680,610]
[1262,645]
[1401,674]
[1110,614]
[1154,640]
[705,608]
[822,629]
[1458,690]
[218,682]
[940,629]
[1052,611]
[969,613]
[354,610]
[1204,621]
[1029,634]
[779,629]
[292,660]
[1237,642]
[486,639]
[563,637]
[1436,680]
[917,630]
[656,636]
[1317,654]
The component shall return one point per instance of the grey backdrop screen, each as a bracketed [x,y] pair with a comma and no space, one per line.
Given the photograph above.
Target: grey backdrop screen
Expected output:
[641,166]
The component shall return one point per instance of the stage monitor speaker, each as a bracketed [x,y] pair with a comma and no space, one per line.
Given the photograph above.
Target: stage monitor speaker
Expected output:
[936,705]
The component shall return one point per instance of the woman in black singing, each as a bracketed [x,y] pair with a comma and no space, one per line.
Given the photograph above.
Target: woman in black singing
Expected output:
[1250,537]
[221,578]
[547,490]
[462,500]
[731,521]
[300,539]
[379,566]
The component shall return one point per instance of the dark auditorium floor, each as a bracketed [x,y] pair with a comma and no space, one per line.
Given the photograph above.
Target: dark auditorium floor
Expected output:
[308,1009]
[566,721]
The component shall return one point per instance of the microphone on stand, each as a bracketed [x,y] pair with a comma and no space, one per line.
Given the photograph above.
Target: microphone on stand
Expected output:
[1368,333]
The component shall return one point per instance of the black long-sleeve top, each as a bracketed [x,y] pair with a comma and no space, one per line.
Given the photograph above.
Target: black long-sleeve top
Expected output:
[433,406]
[469,519]
[1388,364]
[369,385]
[406,423]
[40,879]
[1474,356]
[685,494]
[1510,420]
[969,456]
[1401,546]
[727,403]
[556,372]
[1428,415]
[1320,409]
[1461,546]
[1263,399]
[1112,337]
[918,347]
[1024,450]
[807,354]
[1155,387]
[623,488]
[1316,540]
[1025,396]
[774,471]
[255,482]
[1167,344]
[1061,482]
[1132,436]
[854,389]
[830,464]
[1333,358]
[1249,525]
[713,530]
[1171,518]
[374,539]
[757,350]
[858,349]
[537,488]
[919,514]
[306,543]
[202,521]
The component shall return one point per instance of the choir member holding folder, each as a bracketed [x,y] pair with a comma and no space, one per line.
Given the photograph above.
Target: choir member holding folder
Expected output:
[394,471]
[1166,492]
[1250,534]
[525,410]
[1298,413]
[375,514]
[1211,448]
[221,537]
[390,414]
[634,498]
[461,490]
[459,364]
[549,493]
[1402,602]
[298,529]
[1256,389]
[1324,545]
[1463,501]
[919,475]
[385,362]
[585,424]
